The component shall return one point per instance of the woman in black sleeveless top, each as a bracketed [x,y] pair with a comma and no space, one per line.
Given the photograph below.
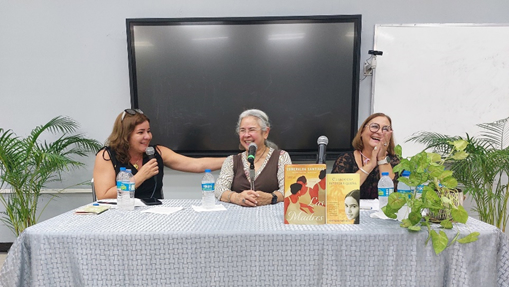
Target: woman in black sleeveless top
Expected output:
[126,147]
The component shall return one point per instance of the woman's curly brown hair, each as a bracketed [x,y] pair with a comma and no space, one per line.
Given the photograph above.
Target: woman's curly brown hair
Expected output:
[122,130]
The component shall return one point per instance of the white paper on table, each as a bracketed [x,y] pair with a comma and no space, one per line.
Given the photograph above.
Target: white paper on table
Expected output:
[113,202]
[369,204]
[379,214]
[217,207]
[162,210]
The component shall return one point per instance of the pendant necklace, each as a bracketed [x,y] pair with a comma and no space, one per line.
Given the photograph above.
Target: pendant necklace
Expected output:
[364,158]
[258,159]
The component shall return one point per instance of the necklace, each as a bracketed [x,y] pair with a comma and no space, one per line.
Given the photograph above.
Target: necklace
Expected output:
[364,158]
[258,159]
[135,164]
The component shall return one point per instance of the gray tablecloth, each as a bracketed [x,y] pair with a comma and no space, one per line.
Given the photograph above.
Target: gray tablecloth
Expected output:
[244,247]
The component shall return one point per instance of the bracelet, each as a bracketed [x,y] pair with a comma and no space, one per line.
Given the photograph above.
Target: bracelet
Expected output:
[367,173]
[229,196]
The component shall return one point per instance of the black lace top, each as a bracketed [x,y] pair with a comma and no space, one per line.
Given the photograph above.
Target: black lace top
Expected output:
[369,189]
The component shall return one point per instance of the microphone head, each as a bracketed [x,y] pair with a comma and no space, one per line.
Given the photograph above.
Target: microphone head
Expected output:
[252,145]
[251,150]
[322,140]
[150,152]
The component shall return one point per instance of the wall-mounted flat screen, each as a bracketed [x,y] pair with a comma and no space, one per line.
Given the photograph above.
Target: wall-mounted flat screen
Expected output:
[194,76]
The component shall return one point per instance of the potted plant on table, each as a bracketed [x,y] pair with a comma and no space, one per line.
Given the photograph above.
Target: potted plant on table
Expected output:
[439,195]
[483,175]
[26,165]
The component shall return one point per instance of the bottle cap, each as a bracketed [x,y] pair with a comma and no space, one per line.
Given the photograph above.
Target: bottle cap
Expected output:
[95,204]
[385,173]
[207,170]
[122,169]
[405,173]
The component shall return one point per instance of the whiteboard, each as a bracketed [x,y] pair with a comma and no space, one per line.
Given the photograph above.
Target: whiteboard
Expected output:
[444,78]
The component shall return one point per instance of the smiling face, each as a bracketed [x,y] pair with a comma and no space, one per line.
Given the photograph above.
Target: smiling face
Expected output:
[250,131]
[140,138]
[371,139]
[351,207]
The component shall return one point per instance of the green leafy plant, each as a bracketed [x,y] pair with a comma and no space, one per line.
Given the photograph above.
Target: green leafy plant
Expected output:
[438,195]
[483,175]
[26,165]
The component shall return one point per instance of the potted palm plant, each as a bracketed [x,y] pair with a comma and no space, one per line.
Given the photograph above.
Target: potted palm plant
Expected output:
[26,165]
[483,175]
[438,196]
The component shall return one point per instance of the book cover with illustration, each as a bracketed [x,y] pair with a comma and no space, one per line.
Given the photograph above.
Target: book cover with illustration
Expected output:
[343,198]
[305,193]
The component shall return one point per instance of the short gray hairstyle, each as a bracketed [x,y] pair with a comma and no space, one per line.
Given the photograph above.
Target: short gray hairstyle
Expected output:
[263,121]
[262,118]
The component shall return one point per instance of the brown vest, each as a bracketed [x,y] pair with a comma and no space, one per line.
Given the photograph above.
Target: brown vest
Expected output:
[266,181]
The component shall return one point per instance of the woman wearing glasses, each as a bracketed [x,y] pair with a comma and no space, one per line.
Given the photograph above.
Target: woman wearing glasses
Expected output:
[373,154]
[234,185]
[126,147]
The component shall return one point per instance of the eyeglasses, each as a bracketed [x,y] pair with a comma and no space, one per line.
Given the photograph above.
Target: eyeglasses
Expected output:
[131,112]
[248,131]
[374,127]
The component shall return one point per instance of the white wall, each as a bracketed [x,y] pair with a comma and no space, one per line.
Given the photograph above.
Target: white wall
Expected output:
[62,57]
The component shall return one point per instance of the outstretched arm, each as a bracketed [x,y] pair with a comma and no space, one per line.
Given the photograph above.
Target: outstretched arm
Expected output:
[179,162]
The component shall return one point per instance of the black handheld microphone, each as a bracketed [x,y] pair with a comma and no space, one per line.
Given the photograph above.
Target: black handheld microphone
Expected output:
[251,152]
[322,147]
[150,152]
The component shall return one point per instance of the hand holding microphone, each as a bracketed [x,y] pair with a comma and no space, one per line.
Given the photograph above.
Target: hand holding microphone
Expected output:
[150,152]
[152,167]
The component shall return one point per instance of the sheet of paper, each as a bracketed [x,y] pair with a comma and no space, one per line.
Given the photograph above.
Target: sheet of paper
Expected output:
[162,210]
[369,204]
[113,202]
[199,208]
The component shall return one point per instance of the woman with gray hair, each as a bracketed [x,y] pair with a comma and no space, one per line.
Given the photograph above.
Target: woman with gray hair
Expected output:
[234,183]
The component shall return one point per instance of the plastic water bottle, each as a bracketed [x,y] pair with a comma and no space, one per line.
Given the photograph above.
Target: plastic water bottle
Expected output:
[385,188]
[132,188]
[121,187]
[207,187]
[124,187]
[403,188]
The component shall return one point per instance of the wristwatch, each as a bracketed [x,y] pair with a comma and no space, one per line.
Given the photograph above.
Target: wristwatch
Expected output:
[274,199]
[386,160]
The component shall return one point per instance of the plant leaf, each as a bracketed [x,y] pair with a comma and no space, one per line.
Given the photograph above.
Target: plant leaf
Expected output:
[434,157]
[460,144]
[439,241]
[447,224]
[431,195]
[414,228]
[415,217]
[405,223]
[444,174]
[469,238]
[399,151]
[459,214]
[396,200]
[459,155]
[449,182]
[389,212]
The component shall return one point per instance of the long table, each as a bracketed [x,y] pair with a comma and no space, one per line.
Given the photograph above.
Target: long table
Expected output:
[244,247]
